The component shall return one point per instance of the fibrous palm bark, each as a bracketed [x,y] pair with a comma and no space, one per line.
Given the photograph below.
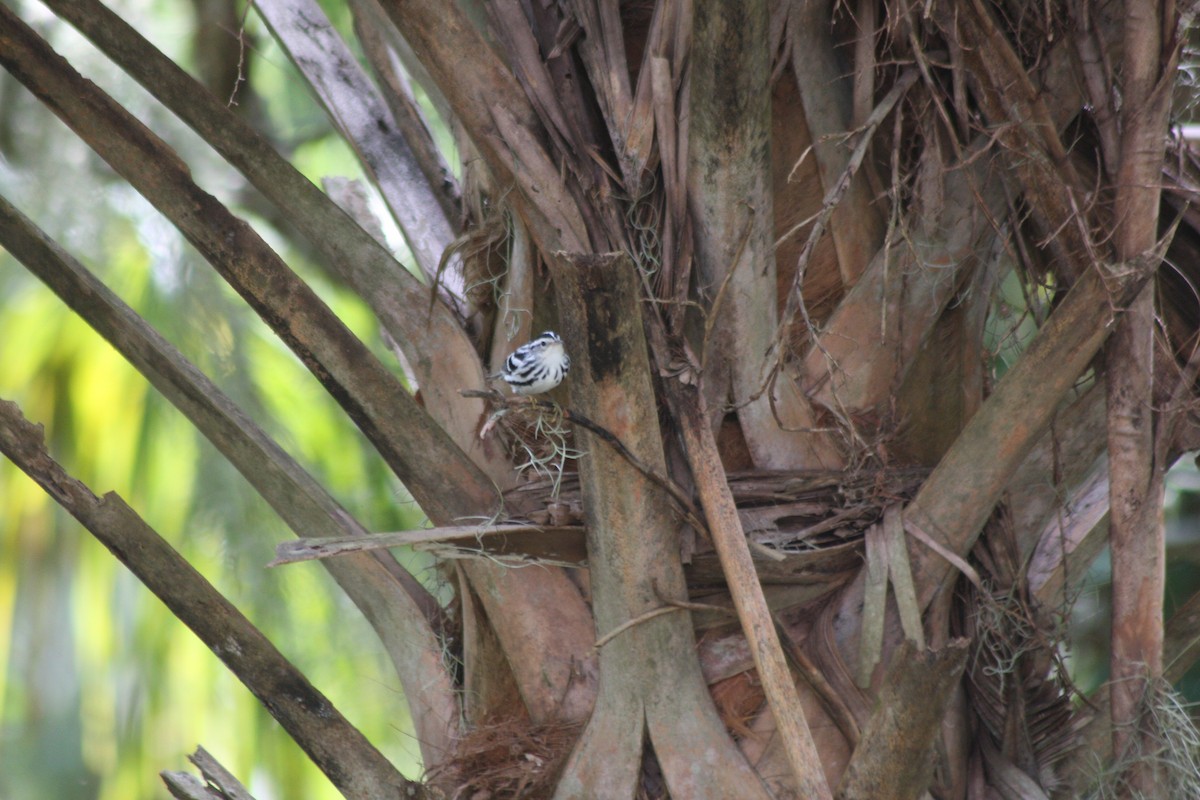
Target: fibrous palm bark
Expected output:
[772,234]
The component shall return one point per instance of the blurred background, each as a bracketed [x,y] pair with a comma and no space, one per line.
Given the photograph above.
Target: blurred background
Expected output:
[100,686]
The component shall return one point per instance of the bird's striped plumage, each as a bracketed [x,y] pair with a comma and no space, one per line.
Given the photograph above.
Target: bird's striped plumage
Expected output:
[538,366]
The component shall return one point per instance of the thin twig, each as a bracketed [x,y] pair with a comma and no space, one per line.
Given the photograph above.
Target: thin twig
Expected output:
[689,510]
[667,607]
[629,623]
[795,300]
[241,65]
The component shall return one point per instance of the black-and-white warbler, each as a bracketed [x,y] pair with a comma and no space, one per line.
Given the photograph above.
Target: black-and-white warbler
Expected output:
[537,366]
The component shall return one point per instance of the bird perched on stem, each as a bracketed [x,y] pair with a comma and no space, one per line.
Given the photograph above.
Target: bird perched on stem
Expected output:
[537,366]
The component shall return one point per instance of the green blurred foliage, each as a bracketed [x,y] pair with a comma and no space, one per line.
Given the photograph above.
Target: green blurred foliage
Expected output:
[100,686]
[1089,630]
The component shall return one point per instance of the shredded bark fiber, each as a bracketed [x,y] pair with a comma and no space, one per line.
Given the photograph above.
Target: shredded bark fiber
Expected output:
[508,759]
[738,700]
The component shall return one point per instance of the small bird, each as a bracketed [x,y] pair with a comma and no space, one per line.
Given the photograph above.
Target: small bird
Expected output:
[537,366]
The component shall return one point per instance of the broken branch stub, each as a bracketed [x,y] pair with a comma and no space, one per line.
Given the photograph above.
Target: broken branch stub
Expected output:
[894,758]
